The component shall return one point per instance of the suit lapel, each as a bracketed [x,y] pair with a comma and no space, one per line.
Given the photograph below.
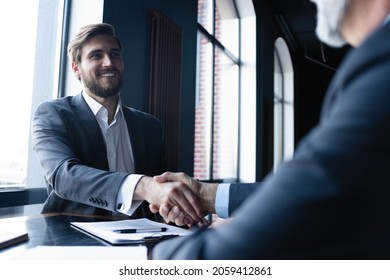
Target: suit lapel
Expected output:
[137,140]
[91,128]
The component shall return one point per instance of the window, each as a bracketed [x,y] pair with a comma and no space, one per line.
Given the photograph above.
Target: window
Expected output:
[217,104]
[32,74]
[30,57]
[19,19]
[224,132]
[36,33]
[31,47]
[283,103]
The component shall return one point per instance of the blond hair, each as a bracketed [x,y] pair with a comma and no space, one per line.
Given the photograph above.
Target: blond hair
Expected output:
[86,33]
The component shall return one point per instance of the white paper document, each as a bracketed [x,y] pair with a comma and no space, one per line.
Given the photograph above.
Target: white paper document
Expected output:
[130,231]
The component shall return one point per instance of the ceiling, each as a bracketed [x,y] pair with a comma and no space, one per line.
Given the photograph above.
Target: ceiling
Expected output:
[297,20]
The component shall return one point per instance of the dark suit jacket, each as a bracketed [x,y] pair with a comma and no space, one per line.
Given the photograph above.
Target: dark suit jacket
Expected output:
[332,200]
[70,148]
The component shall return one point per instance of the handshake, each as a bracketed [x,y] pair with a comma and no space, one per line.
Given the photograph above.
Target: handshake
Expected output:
[178,197]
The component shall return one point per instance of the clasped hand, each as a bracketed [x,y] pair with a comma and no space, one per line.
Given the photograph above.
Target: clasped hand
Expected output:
[187,201]
[175,196]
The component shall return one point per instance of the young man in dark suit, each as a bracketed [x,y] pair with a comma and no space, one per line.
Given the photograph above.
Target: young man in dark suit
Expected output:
[95,151]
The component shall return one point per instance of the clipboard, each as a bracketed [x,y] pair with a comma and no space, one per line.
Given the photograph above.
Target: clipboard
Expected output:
[110,231]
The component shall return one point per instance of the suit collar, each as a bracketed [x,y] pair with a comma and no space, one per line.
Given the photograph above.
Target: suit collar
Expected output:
[136,132]
[374,49]
[91,127]
[376,41]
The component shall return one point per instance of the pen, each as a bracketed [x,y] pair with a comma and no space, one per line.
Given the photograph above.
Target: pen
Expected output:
[140,230]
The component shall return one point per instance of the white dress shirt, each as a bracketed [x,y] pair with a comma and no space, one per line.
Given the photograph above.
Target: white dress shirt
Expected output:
[222,200]
[119,152]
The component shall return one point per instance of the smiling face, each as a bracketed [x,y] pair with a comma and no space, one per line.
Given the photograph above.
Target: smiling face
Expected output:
[101,67]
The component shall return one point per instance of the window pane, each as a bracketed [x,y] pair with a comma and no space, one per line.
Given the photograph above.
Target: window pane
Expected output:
[203,109]
[226,26]
[217,106]
[225,141]
[205,14]
[278,112]
[19,19]
[283,104]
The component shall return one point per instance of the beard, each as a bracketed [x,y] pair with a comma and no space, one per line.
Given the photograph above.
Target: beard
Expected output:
[330,14]
[101,90]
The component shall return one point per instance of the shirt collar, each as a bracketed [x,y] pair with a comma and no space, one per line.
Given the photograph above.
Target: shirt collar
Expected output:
[96,106]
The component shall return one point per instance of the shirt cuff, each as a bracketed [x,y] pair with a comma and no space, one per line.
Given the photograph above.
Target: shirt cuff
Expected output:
[125,203]
[222,201]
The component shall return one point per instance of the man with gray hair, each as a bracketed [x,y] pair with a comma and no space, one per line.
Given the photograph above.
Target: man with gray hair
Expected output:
[331,201]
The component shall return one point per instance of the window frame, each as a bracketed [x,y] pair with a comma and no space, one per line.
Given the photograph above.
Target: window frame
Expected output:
[216,44]
[282,59]
[46,75]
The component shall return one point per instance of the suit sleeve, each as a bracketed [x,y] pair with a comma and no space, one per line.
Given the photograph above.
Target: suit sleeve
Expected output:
[238,193]
[69,166]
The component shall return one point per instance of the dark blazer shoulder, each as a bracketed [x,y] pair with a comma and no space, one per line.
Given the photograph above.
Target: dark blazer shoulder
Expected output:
[141,119]
[136,114]
[63,102]
[373,50]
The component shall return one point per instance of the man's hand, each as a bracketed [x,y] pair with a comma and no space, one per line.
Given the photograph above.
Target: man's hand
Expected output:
[170,194]
[205,192]
[177,216]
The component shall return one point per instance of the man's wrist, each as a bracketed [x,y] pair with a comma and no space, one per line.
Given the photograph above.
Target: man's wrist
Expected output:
[126,197]
[207,194]
[141,189]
